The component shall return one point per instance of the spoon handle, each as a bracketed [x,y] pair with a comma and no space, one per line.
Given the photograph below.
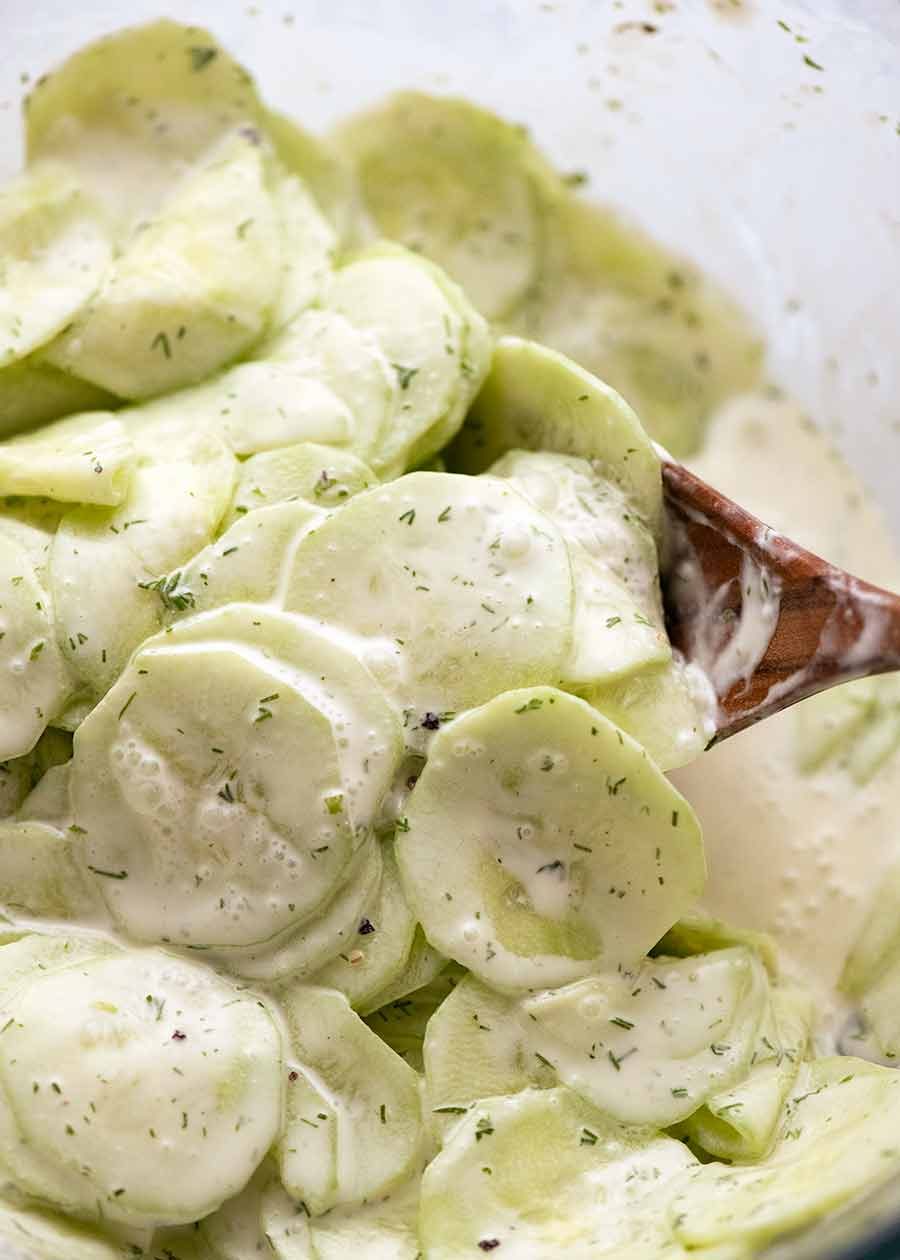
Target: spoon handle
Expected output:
[768,621]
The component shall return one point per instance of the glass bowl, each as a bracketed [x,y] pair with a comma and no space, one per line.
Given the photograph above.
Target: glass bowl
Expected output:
[760,139]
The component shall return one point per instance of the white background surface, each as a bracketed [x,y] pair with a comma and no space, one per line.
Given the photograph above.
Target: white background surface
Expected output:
[781,179]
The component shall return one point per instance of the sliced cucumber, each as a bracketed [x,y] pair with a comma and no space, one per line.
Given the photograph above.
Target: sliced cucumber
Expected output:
[642,319]
[26,955]
[132,110]
[403,302]
[828,722]
[285,1225]
[373,1114]
[193,289]
[32,524]
[48,801]
[350,362]
[423,966]
[402,1021]
[281,755]
[308,246]
[475,1048]
[55,249]
[699,933]
[105,564]
[878,945]
[458,184]
[322,169]
[98,1042]
[383,944]
[564,1178]
[619,626]
[302,953]
[246,564]
[537,400]
[85,459]
[42,874]
[321,475]
[740,1123]
[838,1140]
[35,683]
[386,1230]
[33,392]
[235,1231]
[466,586]
[590,853]
[30,1233]
[649,1046]
[669,709]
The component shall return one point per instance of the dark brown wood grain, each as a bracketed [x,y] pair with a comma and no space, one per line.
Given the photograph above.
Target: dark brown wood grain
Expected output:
[831,627]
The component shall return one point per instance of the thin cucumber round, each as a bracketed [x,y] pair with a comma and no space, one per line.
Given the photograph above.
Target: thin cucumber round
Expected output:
[322,475]
[193,289]
[43,875]
[85,459]
[537,400]
[460,586]
[543,1173]
[372,1123]
[279,762]
[112,1131]
[308,246]
[55,248]
[590,855]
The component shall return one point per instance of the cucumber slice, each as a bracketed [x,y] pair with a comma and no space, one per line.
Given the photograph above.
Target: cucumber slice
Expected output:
[371,1104]
[402,1021]
[740,1123]
[321,168]
[129,112]
[308,245]
[32,523]
[642,319]
[328,673]
[285,1225]
[458,184]
[55,250]
[104,564]
[42,874]
[564,1178]
[590,855]
[378,1231]
[26,955]
[669,709]
[193,289]
[33,392]
[234,1232]
[464,583]
[399,299]
[383,944]
[35,682]
[30,1233]
[649,1046]
[246,564]
[100,1040]
[302,953]
[619,625]
[282,753]
[475,1048]
[48,802]
[321,475]
[838,1140]
[878,945]
[423,965]
[537,400]
[350,362]
[829,722]
[85,459]
[878,1035]
[699,933]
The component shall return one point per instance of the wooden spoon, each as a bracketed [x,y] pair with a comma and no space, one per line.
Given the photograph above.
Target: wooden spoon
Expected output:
[769,622]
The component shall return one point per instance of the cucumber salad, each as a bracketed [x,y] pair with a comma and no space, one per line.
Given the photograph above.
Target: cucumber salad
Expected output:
[353,893]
